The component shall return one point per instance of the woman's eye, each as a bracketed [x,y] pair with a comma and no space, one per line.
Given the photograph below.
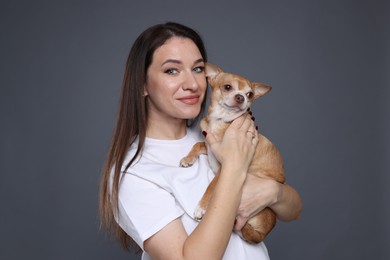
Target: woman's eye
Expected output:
[199,69]
[171,71]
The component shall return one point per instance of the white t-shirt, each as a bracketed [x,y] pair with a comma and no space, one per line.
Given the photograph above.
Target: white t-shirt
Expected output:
[155,191]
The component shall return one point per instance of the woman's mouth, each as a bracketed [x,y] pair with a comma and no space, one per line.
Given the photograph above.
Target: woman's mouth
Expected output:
[191,100]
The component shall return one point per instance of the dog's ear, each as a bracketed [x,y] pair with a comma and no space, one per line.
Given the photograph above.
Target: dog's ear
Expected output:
[260,89]
[211,70]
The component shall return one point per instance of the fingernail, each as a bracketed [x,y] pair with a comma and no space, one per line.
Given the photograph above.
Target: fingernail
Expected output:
[257,128]
[248,109]
[253,118]
[204,133]
[250,112]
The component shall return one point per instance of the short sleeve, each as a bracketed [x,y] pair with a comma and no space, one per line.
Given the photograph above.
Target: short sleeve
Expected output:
[144,208]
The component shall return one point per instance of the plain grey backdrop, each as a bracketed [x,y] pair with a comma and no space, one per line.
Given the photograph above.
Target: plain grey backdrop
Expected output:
[328,113]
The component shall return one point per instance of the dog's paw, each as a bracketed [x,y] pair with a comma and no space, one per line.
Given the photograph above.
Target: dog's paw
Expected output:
[187,161]
[199,213]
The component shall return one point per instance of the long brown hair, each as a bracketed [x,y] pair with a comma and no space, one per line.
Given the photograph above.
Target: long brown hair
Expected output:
[132,115]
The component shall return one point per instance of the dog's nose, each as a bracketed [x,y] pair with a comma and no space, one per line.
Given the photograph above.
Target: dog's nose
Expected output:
[239,98]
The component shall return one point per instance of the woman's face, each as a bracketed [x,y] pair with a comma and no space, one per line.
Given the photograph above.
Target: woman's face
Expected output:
[176,83]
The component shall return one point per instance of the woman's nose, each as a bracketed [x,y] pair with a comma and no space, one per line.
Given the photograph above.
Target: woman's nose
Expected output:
[191,82]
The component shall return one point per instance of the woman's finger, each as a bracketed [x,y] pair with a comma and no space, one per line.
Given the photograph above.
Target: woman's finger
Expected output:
[239,223]
[238,122]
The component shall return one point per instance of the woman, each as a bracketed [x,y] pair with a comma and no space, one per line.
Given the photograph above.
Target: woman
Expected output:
[146,197]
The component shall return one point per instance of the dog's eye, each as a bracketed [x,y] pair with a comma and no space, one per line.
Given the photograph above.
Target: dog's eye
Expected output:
[250,94]
[227,87]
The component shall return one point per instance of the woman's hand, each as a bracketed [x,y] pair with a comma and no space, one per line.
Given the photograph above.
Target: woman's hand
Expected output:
[238,145]
[259,193]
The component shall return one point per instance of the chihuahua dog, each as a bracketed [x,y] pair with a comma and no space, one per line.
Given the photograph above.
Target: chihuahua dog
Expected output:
[231,97]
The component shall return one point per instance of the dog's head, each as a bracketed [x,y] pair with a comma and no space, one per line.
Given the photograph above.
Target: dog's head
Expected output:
[232,94]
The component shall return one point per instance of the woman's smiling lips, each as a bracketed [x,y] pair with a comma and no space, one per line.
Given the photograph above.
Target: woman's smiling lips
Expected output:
[190,100]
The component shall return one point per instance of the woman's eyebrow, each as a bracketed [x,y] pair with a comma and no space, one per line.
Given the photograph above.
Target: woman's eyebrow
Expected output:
[199,61]
[172,61]
[180,62]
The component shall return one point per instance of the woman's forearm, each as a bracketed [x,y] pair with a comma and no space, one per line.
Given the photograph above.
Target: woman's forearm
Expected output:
[211,237]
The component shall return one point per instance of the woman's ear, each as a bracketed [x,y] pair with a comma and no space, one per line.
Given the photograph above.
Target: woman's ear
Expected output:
[145,92]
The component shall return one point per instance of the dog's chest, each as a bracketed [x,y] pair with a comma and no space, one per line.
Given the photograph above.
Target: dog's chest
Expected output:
[213,162]
[217,128]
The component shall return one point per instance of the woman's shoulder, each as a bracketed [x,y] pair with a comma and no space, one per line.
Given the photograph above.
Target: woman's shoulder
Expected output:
[161,152]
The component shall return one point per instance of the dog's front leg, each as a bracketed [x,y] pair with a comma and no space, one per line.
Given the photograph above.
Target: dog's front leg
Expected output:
[198,149]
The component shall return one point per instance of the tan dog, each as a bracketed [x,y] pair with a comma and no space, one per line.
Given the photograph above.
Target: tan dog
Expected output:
[231,97]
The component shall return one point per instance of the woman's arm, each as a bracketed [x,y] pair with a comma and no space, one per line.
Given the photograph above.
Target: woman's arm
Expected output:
[259,193]
[211,236]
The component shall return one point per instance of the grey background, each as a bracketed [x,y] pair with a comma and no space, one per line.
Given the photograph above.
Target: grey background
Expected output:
[328,62]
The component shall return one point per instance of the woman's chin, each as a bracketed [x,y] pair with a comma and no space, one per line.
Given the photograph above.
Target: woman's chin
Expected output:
[191,114]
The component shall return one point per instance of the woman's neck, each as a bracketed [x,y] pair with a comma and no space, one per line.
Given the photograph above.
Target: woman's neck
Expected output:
[166,130]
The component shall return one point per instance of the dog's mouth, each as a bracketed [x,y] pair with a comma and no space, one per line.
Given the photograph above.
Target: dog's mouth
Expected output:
[233,112]
[235,108]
